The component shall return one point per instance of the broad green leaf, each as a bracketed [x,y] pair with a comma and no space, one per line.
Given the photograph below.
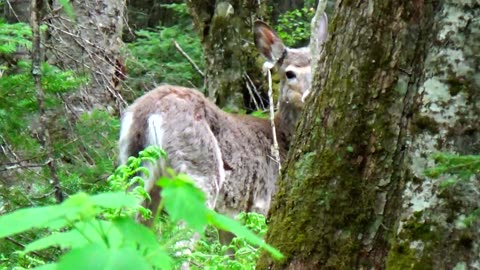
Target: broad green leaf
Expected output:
[145,239]
[50,266]
[184,201]
[135,233]
[114,200]
[98,257]
[227,224]
[94,231]
[61,239]
[30,218]
[160,259]
[54,217]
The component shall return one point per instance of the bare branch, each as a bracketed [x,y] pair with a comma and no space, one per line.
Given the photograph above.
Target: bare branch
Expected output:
[177,46]
[20,166]
[254,89]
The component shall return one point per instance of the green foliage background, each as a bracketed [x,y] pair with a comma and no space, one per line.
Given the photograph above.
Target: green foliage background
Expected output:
[152,58]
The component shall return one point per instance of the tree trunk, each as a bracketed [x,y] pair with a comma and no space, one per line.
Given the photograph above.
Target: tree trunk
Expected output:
[90,44]
[400,82]
[225,30]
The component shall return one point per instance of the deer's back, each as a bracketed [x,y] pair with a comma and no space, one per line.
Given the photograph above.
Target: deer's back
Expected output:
[227,155]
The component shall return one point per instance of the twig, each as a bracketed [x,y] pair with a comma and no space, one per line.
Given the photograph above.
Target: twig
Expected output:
[19,166]
[13,11]
[275,149]
[8,148]
[179,49]
[37,5]
[252,89]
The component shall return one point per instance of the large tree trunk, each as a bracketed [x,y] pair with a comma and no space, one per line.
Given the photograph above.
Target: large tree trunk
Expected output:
[90,44]
[400,81]
[225,30]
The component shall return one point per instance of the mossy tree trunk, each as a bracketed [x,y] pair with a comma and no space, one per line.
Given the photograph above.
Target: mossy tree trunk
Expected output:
[400,82]
[225,29]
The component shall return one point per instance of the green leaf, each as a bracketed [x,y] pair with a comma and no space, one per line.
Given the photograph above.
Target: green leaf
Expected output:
[77,206]
[93,231]
[68,8]
[184,201]
[227,224]
[50,266]
[135,233]
[114,200]
[30,218]
[160,259]
[98,257]
[61,239]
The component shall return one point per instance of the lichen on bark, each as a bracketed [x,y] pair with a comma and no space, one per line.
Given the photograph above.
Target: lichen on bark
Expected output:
[448,98]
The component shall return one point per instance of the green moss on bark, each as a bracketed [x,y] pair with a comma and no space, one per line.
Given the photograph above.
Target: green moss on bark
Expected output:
[334,208]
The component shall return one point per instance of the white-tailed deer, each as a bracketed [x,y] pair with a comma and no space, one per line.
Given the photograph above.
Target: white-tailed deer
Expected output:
[228,156]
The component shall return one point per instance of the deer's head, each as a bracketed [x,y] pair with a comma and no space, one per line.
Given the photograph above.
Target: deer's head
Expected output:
[293,65]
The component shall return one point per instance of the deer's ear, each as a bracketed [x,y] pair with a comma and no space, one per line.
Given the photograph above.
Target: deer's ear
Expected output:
[320,30]
[268,42]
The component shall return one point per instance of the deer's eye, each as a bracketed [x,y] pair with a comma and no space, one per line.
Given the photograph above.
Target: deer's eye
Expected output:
[290,75]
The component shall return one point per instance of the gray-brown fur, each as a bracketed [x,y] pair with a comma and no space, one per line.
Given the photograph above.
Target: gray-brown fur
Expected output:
[229,156]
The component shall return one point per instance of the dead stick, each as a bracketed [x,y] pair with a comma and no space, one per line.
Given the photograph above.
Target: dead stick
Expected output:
[179,49]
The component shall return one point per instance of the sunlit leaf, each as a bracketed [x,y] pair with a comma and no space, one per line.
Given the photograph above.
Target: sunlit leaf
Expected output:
[184,201]
[50,266]
[135,233]
[30,218]
[114,200]
[98,257]
[94,231]
[68,8]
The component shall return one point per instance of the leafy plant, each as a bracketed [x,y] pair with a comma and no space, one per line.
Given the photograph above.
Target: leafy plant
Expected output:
[238,254]
[463,166]
[97,232]
[153,58]
[294,26]
[460,168]
[13,36]
[83,146]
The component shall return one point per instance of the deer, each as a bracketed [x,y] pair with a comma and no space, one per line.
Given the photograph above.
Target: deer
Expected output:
[227,155]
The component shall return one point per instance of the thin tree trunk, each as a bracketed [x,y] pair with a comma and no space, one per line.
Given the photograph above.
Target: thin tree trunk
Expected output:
[399,82]
[35,19]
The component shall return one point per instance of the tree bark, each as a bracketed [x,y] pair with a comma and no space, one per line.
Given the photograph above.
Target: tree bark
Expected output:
[225,30]
[399,81]
[90,44]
